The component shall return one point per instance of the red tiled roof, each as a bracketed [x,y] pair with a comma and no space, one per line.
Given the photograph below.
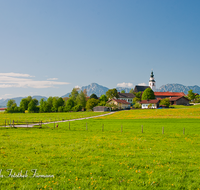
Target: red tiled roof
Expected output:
[119,101]
[170,94]
[3,108]
[150,101]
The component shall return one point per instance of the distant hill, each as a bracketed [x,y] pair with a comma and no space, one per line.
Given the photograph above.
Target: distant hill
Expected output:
[127,90]
[3,103]
[97,89]
[93,88]
[178,88]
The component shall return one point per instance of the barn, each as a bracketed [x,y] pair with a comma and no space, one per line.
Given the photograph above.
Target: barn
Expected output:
[101,109]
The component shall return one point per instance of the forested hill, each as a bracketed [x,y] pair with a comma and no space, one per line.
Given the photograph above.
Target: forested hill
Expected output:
[178,88]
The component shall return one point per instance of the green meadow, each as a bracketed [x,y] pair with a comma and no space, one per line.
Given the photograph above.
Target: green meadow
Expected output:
[24,118]
[104,153]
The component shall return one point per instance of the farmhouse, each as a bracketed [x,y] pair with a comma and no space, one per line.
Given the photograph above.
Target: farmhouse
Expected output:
[126,96]
[150,104]
[121,104]
[3,109]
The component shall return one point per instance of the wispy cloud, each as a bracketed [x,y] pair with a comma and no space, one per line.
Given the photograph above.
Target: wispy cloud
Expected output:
[52,79]
[129,85]
[15,75]
[142,84]
[17,80]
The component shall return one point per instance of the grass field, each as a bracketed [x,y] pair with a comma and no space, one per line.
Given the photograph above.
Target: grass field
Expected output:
[23,118]
[177,112]
[108,159]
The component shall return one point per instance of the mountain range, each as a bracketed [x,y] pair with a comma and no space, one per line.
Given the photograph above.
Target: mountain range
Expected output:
[97,89]
[178,88]
[3,102]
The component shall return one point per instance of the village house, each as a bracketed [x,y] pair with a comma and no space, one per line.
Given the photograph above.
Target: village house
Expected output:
[126,96]
[121,104]
[154,104]
[3,109]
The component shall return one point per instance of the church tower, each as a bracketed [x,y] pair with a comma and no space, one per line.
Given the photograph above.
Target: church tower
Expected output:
[152,82]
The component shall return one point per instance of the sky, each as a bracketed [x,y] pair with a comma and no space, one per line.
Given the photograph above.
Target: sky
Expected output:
[48,47]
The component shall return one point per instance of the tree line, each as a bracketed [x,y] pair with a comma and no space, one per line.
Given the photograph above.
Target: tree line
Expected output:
[77,101]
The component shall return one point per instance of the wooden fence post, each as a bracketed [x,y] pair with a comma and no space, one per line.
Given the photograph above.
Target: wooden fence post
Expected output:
[102,127]
[163,130]
[142,128]
[184,131]
[86,127]
[121,128]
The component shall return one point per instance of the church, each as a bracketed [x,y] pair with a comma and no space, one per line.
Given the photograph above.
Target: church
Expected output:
[176,98]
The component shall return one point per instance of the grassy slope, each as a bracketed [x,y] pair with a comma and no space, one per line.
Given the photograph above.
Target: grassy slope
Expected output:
[112,159]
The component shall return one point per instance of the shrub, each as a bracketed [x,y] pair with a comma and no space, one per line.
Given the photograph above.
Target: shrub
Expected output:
[137,105]
[77,108]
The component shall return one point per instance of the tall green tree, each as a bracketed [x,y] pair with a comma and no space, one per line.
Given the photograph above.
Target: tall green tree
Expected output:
[91,103]
[32,106]
[93,96]
[102,100]
[69,104]
[74,94]
[131,91]
[24,103]
[42,104]
[50,101]
[197,98]
[11,104]
[191,95]
[81,99]
[138,96]
[55,104]
[112,93]
[122,91]
[148,94]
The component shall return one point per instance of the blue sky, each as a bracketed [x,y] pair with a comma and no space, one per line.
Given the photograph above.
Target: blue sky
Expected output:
[48,47]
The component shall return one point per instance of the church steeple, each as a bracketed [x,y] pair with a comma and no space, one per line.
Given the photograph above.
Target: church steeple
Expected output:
[152,82]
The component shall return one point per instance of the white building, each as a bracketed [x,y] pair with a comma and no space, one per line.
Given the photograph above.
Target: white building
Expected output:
[153,104]
[152,82]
